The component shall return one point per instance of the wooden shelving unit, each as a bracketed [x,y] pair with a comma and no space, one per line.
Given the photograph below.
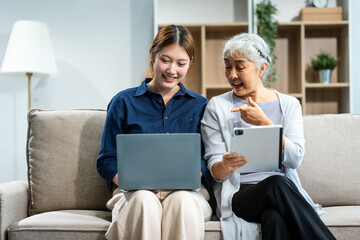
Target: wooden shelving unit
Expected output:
[298,43]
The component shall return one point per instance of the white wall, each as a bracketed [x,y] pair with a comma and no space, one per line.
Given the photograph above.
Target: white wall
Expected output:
[224,11]
[354,17]
[201,11]
[101,47]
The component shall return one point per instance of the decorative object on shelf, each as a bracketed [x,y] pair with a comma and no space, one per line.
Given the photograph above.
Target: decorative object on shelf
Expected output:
[29,52]
[267,25]
[321,14]
[320,3]
[324,63]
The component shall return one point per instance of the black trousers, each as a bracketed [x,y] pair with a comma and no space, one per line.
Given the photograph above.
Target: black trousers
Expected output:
[282,211]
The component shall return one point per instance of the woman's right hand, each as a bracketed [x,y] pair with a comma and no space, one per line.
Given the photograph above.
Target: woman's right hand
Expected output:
[115,180]
[230,162]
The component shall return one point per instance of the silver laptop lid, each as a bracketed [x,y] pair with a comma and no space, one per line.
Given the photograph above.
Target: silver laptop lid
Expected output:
[159,161]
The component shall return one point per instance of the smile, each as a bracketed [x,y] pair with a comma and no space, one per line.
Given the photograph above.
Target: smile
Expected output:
[237,85]
[170,78]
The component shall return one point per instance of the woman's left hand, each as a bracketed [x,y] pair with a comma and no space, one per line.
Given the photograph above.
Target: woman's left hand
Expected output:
[252,114]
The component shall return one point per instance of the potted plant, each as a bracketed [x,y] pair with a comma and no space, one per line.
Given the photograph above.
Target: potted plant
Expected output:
[324,63]
[267,28]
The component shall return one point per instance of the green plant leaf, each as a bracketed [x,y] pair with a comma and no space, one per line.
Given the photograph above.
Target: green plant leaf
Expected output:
[324,60]
[267,28]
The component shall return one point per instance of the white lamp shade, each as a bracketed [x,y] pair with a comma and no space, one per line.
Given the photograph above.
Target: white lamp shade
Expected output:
[29,50]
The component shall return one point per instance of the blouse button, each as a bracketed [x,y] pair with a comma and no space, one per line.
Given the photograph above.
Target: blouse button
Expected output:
[166,118]
[191,119]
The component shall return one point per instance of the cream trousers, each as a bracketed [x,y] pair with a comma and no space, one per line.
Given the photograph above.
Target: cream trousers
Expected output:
[145,215]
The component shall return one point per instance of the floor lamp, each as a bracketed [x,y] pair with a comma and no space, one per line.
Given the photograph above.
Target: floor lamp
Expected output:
[29,52]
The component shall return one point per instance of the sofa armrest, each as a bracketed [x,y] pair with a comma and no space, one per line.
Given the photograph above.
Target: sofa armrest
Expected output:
[13,204]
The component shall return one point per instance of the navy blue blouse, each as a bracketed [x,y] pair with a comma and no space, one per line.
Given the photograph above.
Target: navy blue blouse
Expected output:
[140,110]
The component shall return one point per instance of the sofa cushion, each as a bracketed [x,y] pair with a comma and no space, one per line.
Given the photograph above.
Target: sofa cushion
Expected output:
[342,216]
[213,230]
[66,224]
[330,170]
[343,222]
[78,224]
[62,149]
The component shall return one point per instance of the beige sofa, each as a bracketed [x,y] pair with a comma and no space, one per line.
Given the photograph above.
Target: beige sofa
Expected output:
[65,197]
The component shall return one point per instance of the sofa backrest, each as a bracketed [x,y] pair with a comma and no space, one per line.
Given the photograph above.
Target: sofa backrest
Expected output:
[63,145]
[62,148]
[330,171]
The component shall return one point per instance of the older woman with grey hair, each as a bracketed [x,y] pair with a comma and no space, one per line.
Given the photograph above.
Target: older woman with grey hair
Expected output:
[276,200]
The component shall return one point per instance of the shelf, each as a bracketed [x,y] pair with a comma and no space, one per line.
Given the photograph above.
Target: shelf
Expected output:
[214,38]
[212,92]
[288,53]
[221,26]
[194,82]
[321,24]
[332,38]
[297,44]
[218,86]
[327,100]
[330,85]
[297,95]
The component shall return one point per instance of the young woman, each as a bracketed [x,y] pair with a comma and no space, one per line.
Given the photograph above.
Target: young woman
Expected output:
[161,104]
[276,200]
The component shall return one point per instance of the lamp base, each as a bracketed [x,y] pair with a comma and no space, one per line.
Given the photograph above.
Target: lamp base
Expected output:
[29,75]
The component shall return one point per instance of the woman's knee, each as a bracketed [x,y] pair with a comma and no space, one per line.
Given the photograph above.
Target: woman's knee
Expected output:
[180,199]
[180,196]
[142,198]
[279,187]
[279,181]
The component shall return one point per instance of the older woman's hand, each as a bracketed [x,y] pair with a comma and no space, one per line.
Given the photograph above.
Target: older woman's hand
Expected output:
[232,161]
[252,114]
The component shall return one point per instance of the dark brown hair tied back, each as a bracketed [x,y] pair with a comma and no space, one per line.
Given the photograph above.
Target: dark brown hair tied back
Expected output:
[169,35]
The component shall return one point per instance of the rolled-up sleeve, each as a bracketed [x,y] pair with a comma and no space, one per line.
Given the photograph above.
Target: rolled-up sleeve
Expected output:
[213,138]
[107,159]
[294,148]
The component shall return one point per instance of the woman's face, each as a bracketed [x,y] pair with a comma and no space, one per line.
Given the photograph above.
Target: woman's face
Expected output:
[170,66]
[242,74]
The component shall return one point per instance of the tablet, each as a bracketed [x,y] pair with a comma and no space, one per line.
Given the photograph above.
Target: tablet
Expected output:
[262,145]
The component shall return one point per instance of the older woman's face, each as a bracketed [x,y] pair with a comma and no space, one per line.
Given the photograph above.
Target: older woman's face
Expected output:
[242,74]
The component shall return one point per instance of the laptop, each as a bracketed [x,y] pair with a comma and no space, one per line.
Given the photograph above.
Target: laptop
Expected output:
[262,145]
[159,161]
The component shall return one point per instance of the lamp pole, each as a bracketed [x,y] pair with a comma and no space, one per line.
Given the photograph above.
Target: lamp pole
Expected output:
[29,74]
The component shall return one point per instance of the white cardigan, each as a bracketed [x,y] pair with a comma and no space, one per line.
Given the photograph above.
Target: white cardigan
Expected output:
[216,127]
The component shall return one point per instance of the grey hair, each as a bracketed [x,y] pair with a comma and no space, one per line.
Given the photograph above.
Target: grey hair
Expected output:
[252,47]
